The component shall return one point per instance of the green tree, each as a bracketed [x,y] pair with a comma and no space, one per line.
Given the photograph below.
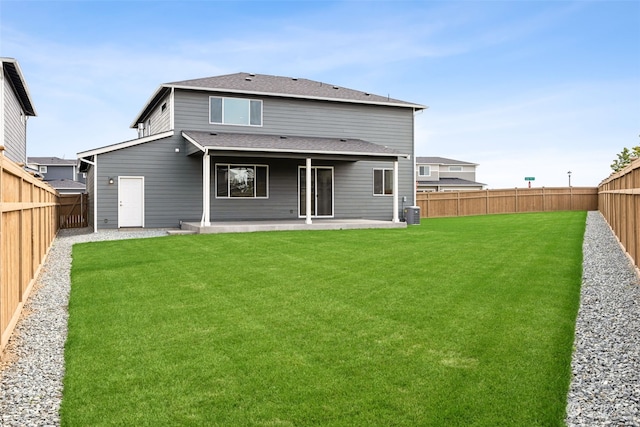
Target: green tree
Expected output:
[625,157]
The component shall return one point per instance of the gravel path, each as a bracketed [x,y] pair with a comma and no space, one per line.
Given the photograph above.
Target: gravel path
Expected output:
[605,389]
[31,376]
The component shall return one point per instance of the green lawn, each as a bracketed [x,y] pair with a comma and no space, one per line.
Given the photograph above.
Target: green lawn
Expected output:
[459,321]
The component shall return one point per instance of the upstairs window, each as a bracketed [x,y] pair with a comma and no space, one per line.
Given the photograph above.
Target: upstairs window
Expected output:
[455,168]
[382,182]
[235,111]
[424,171]
[42,169]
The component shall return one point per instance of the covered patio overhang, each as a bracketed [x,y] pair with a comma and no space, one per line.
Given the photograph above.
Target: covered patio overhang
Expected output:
[286,147]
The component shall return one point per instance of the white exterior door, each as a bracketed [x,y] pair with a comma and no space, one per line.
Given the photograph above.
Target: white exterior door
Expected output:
[130,201]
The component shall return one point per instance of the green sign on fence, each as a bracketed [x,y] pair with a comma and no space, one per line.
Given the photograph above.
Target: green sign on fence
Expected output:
[529,178]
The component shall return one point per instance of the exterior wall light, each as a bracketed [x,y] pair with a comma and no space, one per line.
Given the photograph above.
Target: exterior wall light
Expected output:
[111,180]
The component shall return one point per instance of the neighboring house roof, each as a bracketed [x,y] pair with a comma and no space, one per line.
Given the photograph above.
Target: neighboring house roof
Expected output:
[66,184]
[50,161]
[441,161]
[262,84]
[450,182]
[221,141]
[14,74]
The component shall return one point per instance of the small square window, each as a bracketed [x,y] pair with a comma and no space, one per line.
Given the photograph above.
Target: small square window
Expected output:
[424,171]
[42,169]
[382,182]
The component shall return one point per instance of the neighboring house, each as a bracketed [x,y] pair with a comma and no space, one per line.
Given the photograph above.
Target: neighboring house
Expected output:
[441,174]
[16,107]
[61,174]
[239,146]
[53,168]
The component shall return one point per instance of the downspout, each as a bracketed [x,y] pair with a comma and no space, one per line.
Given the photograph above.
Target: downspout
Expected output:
[395,191]
[95,190]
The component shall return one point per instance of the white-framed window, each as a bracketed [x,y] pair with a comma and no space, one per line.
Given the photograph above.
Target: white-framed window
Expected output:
[42,169]
[424,170]
[382,182]
[243,181]
[455,168]
[235,111]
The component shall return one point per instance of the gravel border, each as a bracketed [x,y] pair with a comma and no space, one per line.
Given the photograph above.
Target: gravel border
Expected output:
[605,387]
[33,364]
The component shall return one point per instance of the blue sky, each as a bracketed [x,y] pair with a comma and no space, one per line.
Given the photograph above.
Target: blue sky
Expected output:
[523,88]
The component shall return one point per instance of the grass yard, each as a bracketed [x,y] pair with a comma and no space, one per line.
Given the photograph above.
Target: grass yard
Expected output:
[459,321]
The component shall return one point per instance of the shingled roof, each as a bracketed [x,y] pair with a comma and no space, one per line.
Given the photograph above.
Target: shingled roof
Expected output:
[441,161]
[292,145]
[278,86]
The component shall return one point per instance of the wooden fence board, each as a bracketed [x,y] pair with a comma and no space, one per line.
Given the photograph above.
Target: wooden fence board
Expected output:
[619,203]
[28,225]
[483,202]
[74,210]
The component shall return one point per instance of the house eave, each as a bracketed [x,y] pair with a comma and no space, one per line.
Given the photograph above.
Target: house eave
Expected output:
[415,107]
[125,144]
[160,93]
[16,78]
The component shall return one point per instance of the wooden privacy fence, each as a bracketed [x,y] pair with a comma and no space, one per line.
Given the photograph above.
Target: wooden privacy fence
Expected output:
[516,200]
[27,229]
[73,210]
[619,203]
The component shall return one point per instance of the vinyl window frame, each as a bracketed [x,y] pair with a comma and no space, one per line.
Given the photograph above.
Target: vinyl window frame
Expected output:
[251,118]
[229,192]
[420,168]
[386,175]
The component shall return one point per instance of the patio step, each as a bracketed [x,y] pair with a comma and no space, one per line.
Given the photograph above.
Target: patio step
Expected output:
[176,232]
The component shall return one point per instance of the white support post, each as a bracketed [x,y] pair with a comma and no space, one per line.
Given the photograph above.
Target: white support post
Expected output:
[206,190]
[308,192]
[395,192]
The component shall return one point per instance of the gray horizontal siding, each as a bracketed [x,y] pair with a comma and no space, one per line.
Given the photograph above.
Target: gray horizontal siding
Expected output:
[59,172]
[160,120]
[15,130]
[173,182]
[470,176]
[388,126]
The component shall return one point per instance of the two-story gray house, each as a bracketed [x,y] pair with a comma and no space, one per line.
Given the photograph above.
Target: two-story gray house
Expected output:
[442,174]
[16,107]
[252,147]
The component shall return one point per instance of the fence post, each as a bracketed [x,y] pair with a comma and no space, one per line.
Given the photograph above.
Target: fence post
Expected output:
[570,199]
